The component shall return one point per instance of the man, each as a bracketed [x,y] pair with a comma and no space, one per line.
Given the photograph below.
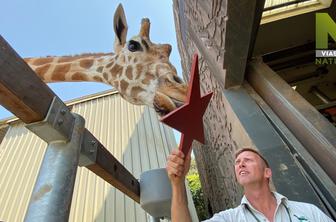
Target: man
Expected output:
[258,204]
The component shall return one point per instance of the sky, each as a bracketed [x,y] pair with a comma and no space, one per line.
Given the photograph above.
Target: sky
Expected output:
[38,28]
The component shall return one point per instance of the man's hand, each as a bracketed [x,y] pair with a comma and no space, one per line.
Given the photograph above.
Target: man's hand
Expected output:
[177,166]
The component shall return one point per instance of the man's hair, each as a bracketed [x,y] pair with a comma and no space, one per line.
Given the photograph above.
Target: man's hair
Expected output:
[254,151]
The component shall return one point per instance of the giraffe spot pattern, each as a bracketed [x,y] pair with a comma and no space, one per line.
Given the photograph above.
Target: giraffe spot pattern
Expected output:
[58,77]
[116,85]
[67,59]
[98,79]
[60,71]
[135,91]
[42,70]
[110,64]
[42,61]
[86,63]
[129,70]
[116,69]
[79,76]
[123,85]
[105,76]
[100,69]
[139,69]
[121,59]
[160,67]
[148,78]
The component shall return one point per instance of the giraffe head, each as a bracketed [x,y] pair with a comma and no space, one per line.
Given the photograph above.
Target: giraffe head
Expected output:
[148,77]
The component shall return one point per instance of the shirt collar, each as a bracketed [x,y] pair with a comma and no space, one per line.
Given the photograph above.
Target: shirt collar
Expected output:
[279,199]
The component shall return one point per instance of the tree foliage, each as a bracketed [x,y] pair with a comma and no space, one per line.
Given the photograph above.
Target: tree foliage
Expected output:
[196,191]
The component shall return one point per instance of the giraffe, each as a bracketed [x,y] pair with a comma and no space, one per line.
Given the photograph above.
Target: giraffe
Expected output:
[139,69]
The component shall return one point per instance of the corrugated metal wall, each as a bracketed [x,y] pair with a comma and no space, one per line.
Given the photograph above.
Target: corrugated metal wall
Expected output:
[132,133]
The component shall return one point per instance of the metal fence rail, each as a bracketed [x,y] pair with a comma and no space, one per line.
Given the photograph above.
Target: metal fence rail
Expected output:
[69,144]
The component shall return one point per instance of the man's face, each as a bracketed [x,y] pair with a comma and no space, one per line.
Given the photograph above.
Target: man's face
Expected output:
[250,169]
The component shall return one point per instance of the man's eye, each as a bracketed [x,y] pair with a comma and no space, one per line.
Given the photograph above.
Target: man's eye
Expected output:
[134,46]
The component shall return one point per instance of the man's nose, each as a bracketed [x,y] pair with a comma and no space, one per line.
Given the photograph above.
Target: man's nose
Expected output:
[241,164]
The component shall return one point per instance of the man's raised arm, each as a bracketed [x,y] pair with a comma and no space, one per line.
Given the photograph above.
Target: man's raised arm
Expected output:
[177,168]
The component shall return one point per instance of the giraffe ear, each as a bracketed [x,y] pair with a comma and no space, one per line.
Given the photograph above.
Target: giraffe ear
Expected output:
[120,28]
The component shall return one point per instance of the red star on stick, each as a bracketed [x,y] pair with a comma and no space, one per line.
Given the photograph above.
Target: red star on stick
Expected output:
[188,119]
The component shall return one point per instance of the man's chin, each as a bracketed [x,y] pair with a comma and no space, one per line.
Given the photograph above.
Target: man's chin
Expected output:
[244,181]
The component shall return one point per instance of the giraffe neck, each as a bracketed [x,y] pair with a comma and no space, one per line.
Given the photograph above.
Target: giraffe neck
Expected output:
[110,69]
[89,68]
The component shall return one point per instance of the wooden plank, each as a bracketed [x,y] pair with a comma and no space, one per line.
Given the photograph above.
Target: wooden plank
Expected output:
[240,37]
[21,91]
[112,171]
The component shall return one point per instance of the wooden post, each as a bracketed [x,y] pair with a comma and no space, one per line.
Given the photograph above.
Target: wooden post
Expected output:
[21,91]
[24,94]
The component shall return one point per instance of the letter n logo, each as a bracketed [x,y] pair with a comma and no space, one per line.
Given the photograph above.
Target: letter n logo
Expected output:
[325,26]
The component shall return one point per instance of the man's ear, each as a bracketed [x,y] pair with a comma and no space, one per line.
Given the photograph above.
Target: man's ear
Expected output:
[120,28]
[268,173]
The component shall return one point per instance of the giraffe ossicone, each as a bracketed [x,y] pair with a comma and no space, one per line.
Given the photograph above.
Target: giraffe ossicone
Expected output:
[139,69]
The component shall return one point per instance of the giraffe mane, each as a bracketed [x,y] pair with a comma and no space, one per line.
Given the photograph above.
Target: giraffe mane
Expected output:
[98,54]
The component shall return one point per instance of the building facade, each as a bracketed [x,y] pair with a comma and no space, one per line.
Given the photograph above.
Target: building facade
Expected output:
[258,57]
[132,134]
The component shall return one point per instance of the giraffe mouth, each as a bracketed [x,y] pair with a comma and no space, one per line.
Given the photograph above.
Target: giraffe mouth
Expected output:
[160,110]
[164,104]
[177,103]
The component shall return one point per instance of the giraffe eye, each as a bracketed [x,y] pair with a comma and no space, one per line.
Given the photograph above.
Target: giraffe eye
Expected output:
[134,46]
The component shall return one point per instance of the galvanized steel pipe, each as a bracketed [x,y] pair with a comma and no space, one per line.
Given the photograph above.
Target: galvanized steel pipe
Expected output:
[52,194]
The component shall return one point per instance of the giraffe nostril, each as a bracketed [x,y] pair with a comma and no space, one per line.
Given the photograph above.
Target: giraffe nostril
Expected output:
[177,79]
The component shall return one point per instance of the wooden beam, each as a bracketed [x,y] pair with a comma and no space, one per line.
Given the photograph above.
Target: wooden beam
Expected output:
[21,91]
[24,94]
[312,129]
[112,171]
[240,37]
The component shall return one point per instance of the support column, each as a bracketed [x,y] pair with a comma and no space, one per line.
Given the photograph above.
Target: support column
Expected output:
[52,194]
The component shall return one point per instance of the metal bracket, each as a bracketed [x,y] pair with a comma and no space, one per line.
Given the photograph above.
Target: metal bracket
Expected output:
[57,125]
[89,147]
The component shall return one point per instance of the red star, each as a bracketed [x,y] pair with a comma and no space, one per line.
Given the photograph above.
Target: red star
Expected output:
[188,119]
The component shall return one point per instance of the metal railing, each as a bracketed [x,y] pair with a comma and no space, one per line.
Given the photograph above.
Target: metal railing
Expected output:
[69,143]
